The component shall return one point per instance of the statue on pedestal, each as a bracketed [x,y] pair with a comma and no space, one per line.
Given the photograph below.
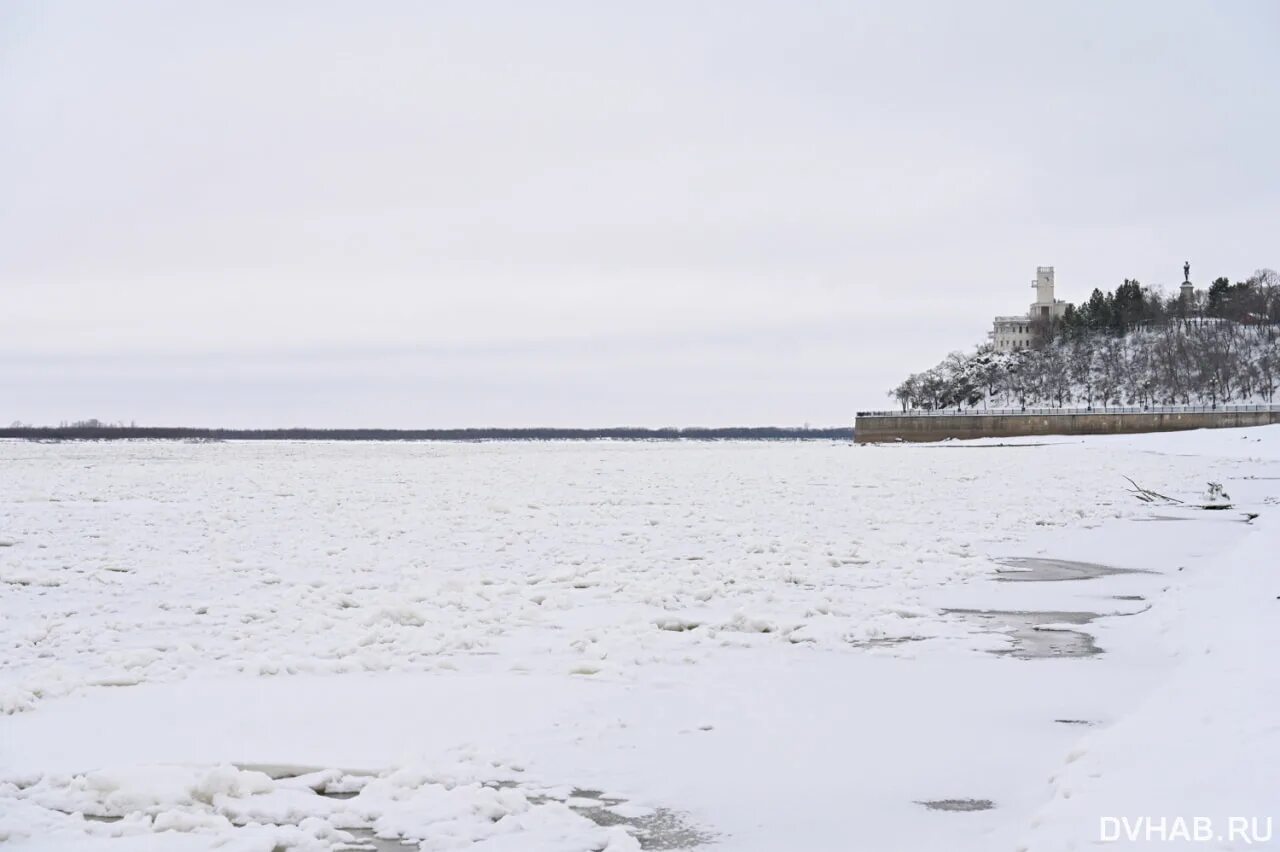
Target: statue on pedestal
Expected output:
[1186,271]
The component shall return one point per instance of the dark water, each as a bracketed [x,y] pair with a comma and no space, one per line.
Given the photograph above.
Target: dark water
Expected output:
[1031,633]
[1037,569]
[959,805]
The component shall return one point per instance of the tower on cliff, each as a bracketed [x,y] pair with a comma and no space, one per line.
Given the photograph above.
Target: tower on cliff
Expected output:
[1045,306]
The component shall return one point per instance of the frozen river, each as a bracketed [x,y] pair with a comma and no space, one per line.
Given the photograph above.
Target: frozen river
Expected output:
[587,646]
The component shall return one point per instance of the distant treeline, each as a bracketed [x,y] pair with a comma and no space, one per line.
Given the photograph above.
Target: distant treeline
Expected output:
[102,432]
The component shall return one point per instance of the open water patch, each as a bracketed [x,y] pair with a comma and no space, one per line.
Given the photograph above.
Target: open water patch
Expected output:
[657,828]
[885,641]
[1035,635]
[958,805]
[653,828]
[1035,569]
[364,840]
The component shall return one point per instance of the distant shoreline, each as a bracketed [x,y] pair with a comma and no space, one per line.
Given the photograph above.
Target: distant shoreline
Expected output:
[164,433]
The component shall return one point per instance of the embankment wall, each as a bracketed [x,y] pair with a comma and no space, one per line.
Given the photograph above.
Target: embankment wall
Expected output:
[879,428]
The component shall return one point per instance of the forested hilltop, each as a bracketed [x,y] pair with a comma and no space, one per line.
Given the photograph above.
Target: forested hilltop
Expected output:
[1134,346]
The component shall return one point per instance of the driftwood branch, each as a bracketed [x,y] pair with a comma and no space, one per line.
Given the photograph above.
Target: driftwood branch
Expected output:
[1146,495]
[1217,500]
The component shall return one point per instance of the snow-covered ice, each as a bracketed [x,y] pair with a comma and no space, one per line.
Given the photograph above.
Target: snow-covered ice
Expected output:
[591,646]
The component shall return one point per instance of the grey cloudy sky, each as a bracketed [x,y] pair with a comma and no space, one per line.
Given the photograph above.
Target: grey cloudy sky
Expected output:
[485,213]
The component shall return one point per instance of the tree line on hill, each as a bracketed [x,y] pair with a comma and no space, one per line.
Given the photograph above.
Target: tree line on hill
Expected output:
[1132,305]
[1135,346]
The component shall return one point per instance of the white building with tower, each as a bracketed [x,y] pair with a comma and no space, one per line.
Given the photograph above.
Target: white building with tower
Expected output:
[1017,332]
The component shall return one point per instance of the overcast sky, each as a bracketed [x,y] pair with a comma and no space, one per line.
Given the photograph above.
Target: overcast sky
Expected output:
[465,214]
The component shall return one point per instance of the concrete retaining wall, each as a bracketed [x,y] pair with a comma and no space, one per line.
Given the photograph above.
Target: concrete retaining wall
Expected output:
[877,428]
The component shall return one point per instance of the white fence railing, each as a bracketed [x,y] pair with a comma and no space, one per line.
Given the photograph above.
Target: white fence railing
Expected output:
[1113,409]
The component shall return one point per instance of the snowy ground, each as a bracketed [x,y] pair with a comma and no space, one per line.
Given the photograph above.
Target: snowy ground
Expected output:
[589,646]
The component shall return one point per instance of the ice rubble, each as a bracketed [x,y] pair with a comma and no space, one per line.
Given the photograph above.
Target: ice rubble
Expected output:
[743,630]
